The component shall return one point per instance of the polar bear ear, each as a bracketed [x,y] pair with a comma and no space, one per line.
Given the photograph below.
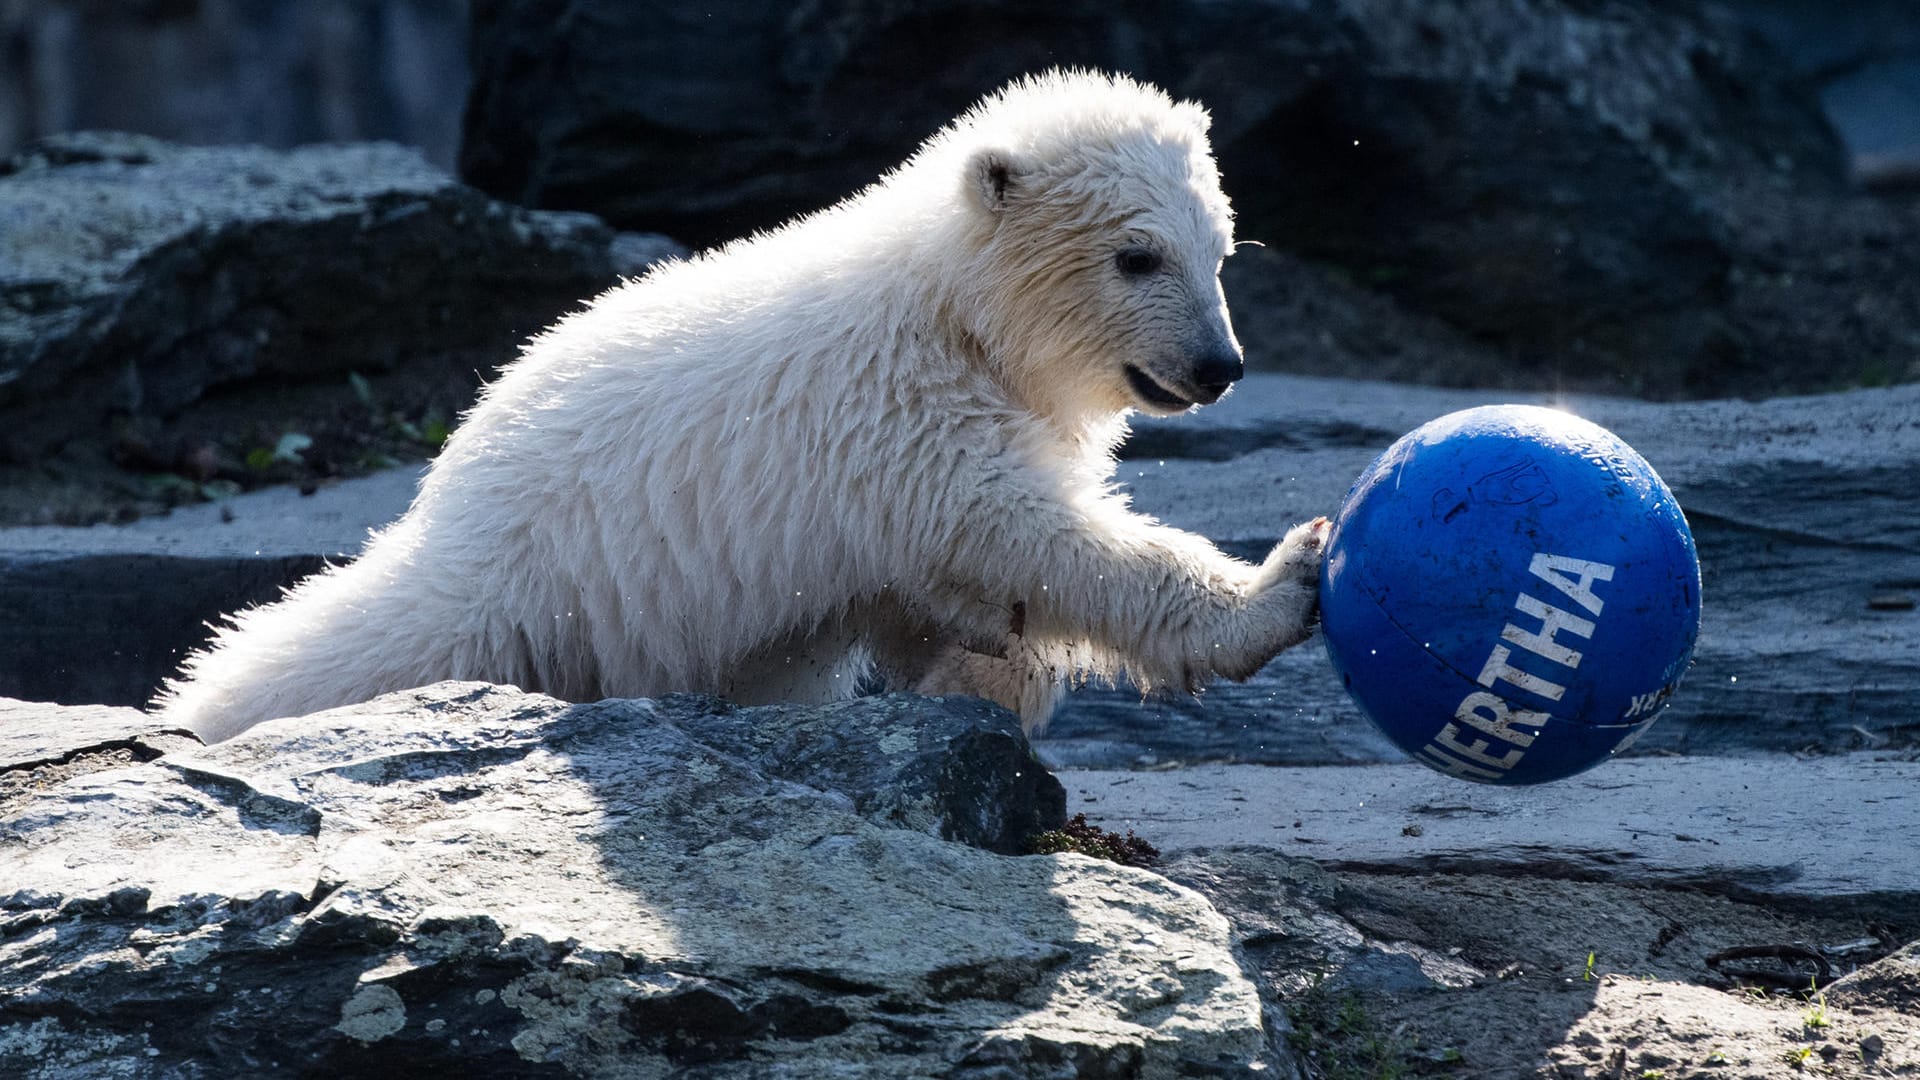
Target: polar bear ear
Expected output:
[995,177]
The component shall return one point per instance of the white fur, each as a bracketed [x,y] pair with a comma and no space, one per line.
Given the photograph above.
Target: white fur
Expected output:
[880,435]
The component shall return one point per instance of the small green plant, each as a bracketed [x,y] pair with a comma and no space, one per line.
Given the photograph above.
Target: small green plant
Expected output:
[1588,976]
[1798,1058]
[1652,1074]
[286,451]
[1346,1041]
[431,431]
[1717,1058]
[1816,1016]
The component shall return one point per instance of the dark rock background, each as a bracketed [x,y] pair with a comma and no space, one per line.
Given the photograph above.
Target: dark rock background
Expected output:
[397,69]
[1863,58]
[1650,198]
[1611,195]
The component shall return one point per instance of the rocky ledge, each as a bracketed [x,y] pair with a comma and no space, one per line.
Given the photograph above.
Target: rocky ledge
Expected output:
[472,880]
[168,308]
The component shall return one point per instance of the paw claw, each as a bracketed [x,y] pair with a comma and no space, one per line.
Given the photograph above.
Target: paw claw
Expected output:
[1314,534]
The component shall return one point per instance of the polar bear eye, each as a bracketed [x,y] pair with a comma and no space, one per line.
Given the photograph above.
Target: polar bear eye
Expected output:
[1137,261]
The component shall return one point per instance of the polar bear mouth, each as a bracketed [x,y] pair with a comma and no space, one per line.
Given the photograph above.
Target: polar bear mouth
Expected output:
[1152,392]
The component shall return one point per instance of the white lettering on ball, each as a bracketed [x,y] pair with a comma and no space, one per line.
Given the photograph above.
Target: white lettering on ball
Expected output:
[1452,751]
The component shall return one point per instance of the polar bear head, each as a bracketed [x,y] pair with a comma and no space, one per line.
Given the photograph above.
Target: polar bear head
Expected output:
[1099,229]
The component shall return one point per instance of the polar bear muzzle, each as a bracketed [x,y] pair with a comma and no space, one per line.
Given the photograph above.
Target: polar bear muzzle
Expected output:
[1208,375]
[1215,372]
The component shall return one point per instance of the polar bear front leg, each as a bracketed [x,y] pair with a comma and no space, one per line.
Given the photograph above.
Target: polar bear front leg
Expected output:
[1029,691]
[1175,608]
[911,653]
[1287,588]
[1233,629]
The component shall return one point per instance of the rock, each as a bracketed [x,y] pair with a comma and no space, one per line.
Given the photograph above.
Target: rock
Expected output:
[1520,973]
[471,879]
[569,112]
[1892,981]
[34,734]
[1821,834]
[138,278]
[1864,60]
[1306,318]
[43,745]
[1560,183]
[972,779]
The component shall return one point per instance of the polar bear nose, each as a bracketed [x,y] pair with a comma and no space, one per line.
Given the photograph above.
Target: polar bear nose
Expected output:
[1215,371]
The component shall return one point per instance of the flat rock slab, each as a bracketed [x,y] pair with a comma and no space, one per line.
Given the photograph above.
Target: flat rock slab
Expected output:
[34,733]
[1830,831]
[470,880]
[272,523]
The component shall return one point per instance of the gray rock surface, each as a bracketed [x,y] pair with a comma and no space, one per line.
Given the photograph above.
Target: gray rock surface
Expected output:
[964,773]
[1891,979]
[138,277]
[1612,195]
[35,734]
[1832,833]
[1518,973]
[1658,916]
[471,879]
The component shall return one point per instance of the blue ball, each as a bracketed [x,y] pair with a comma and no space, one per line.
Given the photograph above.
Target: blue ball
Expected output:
[1511,594]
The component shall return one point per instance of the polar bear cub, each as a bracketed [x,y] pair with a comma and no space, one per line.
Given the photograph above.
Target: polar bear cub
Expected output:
[877,440]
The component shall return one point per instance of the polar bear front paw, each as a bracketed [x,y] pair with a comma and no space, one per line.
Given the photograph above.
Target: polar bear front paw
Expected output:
[1297,556]
[1285,602]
